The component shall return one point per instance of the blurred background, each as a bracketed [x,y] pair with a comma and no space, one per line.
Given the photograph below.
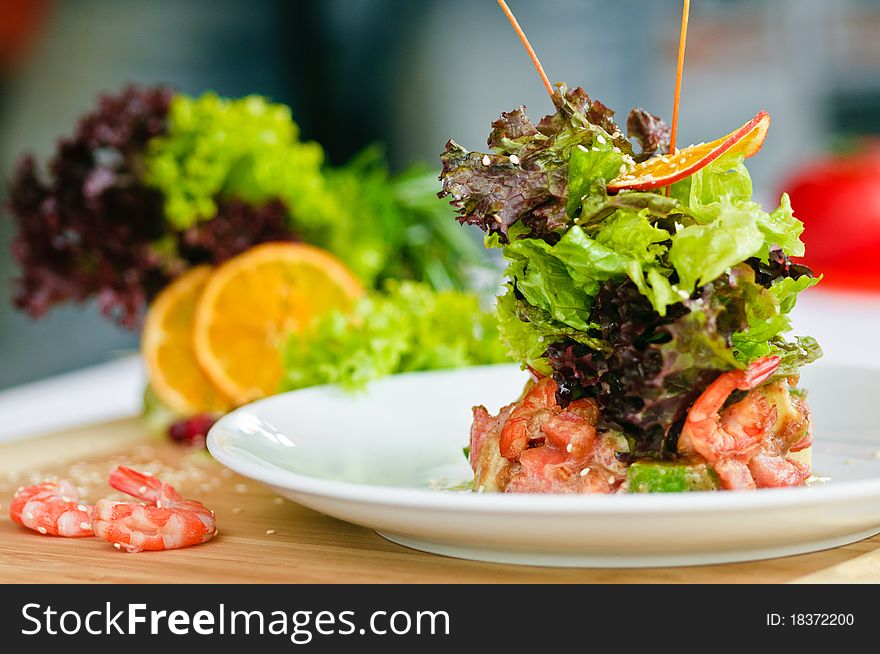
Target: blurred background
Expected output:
[413,73]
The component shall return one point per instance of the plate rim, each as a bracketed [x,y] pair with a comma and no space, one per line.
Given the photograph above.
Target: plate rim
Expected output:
[549,503]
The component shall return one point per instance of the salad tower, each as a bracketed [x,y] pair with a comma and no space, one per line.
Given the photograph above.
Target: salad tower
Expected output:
[648,294]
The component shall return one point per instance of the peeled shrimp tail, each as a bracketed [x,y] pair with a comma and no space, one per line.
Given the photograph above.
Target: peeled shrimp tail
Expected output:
[757,373]
[142,486]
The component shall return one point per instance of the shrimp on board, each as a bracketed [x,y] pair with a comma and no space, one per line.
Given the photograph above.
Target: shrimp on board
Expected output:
[52,509]
[167,520]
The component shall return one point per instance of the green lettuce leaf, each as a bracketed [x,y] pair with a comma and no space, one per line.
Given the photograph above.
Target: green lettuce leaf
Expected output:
[527,331]
[781,228]
[766,311]
[724,186]
[407,327]
[562,279]
[700,253]
[588,171]
[795,355]
[248,148]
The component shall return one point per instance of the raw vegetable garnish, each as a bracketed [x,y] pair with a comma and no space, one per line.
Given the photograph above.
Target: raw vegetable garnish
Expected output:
[406,327]
[630,297]
[154,182]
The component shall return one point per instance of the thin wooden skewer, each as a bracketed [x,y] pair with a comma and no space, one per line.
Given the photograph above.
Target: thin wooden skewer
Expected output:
[679,69]
[527,45]
[682,39]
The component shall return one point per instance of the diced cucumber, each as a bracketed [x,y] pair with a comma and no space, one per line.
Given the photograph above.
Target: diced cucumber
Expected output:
[649,476]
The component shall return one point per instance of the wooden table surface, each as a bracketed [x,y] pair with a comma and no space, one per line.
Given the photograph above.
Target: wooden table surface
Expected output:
[306,546]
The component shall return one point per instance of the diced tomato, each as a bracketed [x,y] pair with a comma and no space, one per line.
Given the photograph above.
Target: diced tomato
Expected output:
[734,475]
[776,472]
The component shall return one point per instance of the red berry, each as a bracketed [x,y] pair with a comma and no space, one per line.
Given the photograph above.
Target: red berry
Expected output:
[192,430]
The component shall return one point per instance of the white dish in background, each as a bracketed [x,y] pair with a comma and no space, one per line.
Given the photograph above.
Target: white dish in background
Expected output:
[379,459]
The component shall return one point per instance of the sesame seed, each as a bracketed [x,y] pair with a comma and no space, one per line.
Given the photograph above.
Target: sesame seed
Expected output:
[241,488]
[82,507]
[616,149]
[42,530]
[514,159]
[664,159]
[269,532]
[117,545]
[486,160]
[622,168]
[216,531]
[498,220]
[581,146]
[158,504]
[84,526]
[569,448]
[142,489]
[682,160]
[610,479]
[601,139]
[585,472]
[29,515]
[616,135]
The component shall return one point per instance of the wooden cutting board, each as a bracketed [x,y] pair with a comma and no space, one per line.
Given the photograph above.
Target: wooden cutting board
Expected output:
[267,539]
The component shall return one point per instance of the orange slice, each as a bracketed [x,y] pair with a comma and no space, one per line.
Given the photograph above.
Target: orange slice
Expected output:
[167,348]
[253,301]
[659,171]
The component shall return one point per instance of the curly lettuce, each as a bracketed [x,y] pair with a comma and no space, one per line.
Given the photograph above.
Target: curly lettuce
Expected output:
[247,148]
[407,327]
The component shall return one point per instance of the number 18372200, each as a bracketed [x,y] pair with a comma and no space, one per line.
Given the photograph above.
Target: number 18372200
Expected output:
[810,620]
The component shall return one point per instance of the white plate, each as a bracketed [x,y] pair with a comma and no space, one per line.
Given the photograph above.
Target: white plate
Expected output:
[378,458]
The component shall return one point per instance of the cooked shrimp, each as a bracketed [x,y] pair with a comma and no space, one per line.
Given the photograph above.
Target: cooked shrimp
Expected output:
[52,509]
[524,422]
[739,430]
[167,522]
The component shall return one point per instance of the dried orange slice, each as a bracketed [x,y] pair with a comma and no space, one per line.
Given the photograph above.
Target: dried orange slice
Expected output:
[664,170]
[253,301]
[167,348]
